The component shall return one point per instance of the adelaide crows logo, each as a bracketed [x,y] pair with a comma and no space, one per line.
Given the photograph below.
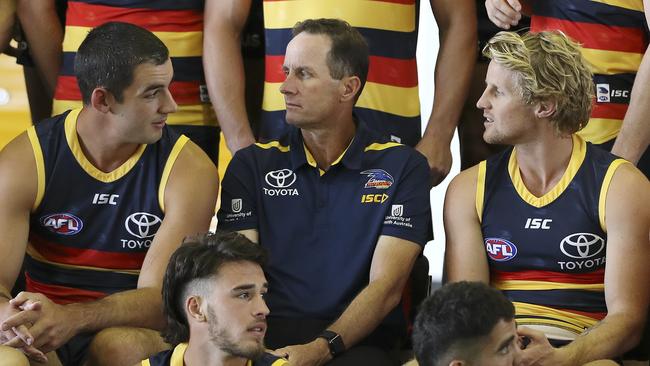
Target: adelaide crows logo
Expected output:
[378,178]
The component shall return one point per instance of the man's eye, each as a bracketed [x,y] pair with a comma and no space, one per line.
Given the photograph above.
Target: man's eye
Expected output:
[244,296]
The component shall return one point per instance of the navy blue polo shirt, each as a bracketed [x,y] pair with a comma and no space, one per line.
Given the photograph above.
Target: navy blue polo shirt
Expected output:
[321,228]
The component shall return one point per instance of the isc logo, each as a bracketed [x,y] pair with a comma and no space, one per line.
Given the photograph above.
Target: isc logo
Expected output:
[500,250]
[105,198]
[543,224]
[374,198]
[62,223]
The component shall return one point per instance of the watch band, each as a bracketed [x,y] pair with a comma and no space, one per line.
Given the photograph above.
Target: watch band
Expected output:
[334,342]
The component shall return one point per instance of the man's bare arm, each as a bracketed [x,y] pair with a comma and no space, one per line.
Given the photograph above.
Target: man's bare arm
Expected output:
[39,21]
[465,258]
[224,68]
[457,28]
[7,18]
[634,137]
[186,212]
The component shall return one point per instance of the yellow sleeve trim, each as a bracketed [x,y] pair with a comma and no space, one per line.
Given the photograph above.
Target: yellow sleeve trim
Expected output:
[480,189]
[279,362]
[378,147]
[169,164]
[145,363]
[273,144]
[578,154]
[40,166]
[604,188]
[178,354]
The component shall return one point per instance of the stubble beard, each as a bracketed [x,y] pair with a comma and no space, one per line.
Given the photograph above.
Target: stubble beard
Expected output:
[224,341]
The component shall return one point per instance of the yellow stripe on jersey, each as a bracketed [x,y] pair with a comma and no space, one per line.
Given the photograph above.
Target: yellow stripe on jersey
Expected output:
[612,62]
[400,101]
[33,252]
[376,146]
[75,147]
[546,285]
[577,322]
[273,144]
[577,157]
[169,164]
[604,188]
[180,44]
[600,130]
[480,189]
[178,354]
[145,362]
[627,4]
[359,13]
[40,166]
[187,115]
[279,362]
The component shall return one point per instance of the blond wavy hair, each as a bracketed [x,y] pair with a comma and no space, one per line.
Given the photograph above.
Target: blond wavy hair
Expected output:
[548,66]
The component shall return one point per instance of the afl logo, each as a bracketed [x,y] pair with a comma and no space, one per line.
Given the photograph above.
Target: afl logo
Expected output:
[582,245]
[280,178]
[142,225]
[500,250]
[62,223]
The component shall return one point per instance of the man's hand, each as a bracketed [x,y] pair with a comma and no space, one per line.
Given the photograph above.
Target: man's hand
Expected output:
[53,324]
[314,353]
[20,337]
[539,351]
[504,13]
[438,154]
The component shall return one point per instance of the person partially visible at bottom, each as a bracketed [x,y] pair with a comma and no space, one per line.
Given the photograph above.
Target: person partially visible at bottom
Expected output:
[213,293]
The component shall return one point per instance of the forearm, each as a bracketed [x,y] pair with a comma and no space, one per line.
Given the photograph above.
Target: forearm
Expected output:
[454,66]
[44,35]
[634,136]
[7,13]
[609,338]
[134,308]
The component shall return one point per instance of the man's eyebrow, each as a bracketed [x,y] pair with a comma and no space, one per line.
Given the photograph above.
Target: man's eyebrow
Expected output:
[153,87]
[506,342]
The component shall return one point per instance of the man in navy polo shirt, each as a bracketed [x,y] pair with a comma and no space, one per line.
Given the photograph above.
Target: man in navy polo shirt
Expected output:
[343,212]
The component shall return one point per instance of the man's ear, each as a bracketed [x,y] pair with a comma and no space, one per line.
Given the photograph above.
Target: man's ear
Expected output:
[350,86]
[457,363]
[545,108]
[102,100]
[193,307]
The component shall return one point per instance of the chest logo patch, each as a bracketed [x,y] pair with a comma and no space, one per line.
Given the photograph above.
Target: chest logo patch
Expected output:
[142,225]
[62,223]
[500,250]
[282,178]
[582,245]
[378,178]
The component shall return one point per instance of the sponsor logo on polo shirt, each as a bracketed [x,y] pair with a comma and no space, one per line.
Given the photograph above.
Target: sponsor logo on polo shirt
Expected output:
[500,250]
[281,182]
[378,178]
[397,218]
[583,247]
[62,223]
[235,205]
[143,226]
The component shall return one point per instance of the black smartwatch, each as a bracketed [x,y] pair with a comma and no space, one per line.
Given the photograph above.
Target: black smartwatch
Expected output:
[334,342]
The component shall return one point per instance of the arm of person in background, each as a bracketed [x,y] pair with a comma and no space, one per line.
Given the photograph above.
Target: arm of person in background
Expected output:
[186,212]
[7,19]
[224,68]
[44,33]
[634,137]
[18,191]
[465,258]
[627,279]
[456,21]
[506,13]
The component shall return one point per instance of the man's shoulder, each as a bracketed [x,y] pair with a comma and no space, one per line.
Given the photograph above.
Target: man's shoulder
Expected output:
[268,359]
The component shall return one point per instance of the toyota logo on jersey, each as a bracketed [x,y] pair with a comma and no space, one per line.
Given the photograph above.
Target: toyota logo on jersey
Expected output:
[142,224]
[500,250]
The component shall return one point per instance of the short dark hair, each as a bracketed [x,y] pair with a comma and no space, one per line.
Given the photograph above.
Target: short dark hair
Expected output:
[455,317]
[110,53]
[200,257]
[349,55]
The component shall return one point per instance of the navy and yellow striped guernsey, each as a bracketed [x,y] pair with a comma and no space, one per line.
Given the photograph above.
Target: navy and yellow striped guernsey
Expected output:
[321,228]
[547,254]
[390,101]
[90,230]
[614,37]
[174,357]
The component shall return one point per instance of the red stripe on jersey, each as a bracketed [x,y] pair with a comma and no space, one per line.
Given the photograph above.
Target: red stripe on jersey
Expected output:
[594,315]
[596,36]
[379,1]
[185,92]
[609,110]
[549,276]
[88,15]
[67,88]
[61,294]
[58,253]
[382,70]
